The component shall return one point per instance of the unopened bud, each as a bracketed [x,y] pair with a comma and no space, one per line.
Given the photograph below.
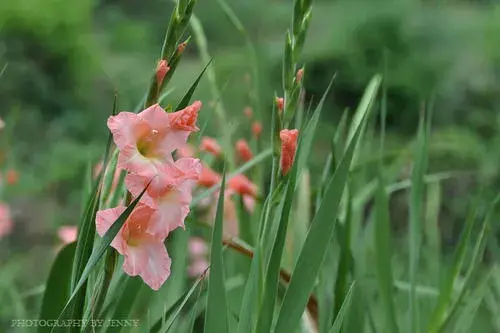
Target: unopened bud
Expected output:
[280,104]
[256,129]
[288,147]
[299,75]
[161,70]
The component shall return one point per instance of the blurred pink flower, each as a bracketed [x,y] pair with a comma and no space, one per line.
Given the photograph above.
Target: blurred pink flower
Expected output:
[169,193]
[248,112]
[243,150]
[249,203]
[208,177]
[256,129]
[144,251]
[242,185]
[67,234]
[11,176]
[210,145]
[197,247]
[197,267]
[5,220]
[288,147]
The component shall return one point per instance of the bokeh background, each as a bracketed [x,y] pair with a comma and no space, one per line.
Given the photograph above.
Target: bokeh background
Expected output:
[65,59]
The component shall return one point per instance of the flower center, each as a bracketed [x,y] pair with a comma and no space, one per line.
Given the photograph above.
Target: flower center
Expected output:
[146,144]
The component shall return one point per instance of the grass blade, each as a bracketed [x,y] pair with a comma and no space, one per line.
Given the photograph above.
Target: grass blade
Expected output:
[216,320]
[311,256]
[187,97]
[339,320]
[58,286]
[416,199]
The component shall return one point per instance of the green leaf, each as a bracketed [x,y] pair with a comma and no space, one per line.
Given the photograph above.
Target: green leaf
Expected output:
[383,264]
[446,292]
[216,320]
[98,253]
[58,286]
[187,97]
[344,309]
[308,264]
[173,312]
[306,136]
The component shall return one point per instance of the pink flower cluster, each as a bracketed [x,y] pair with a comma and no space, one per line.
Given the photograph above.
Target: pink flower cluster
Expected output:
[146,142]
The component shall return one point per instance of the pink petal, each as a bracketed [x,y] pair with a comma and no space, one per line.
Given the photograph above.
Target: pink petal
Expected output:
[150,260]
[104,220]
[156,117]
[198,267]
[197,247]
[123,127]
[170,215]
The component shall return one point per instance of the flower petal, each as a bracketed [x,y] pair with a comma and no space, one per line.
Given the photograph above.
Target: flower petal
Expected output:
[150,260]
[104,220]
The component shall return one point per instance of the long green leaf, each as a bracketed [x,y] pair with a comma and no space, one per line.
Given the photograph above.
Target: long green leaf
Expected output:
[58,286]
[383,264]
[216,320]
[344,309]
[187,97]
[446,292]
[415,223]
[308,264]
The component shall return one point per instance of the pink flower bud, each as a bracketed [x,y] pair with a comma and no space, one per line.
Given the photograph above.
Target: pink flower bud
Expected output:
[242,185]
[161,70]
[280,103]
[181,47]
[243,150]
[256,129]
[210,145]
[300,74]
[248,112]
[288,147]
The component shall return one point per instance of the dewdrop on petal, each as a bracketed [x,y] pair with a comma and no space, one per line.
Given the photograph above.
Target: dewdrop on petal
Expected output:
[243,150]
[288,147]
[161,70]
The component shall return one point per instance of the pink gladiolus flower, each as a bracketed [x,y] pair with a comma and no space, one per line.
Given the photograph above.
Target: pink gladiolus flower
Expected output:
[161,70]
[146,140]
[5,221]
[288,147]
[210,145]
[242,185]
[248,112]
[169,193]
[144,252]
[280,104]
[243,150]
[185,151]
[67,234]
[256,129]
[208,177]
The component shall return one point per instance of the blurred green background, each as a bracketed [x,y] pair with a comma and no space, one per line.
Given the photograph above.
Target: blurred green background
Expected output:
[65,60]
